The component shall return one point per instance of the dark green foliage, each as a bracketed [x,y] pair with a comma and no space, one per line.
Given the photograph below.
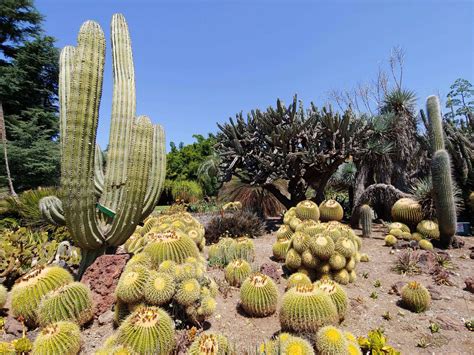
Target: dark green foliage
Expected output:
[234,224]
[183,191]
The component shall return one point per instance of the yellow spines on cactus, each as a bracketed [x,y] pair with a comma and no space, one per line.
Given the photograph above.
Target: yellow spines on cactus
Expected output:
[390,240]
[134,244]
[314,229]
[351,263]
[131,283]
[6,348]
[210,343]
[406,235]
[237,271]
[309,260]
[148,330]
[293,259]
[336,293]
[280,248]
[3,295]
[331,341]
[337,261]
[322,247]
[342,276]
[352,276]
[207,306]
[159,289]
[58,338]
[284,232]
[26,294]
[428,229]
[307,210]
[306,308]
[141,259]
[289,215]
[298,278]
[353,349]
[296,346]
[417,236]
[22,345]
[188,292]
[259,295]
[331,210]
[345,247]
[425,244]
[398,225]
[407,210]
[167,266]
[243,248]
[416,297]
[300,242]
[71,302]
[185,271]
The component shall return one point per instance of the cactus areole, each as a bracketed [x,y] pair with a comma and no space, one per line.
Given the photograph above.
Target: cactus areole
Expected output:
[102,208]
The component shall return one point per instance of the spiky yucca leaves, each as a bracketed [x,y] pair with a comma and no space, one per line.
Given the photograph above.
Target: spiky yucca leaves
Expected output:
[293,259]
[3,295]
[331,341]
[336,293]
[337,261]
[296,279]
[284,232]
[342,276]
[188,292]
[416,297]
[71,302]
[425,244]
[259,295]
[58,338]
[408,211]
[366,217]
[210,343]
[26,294]
[345,247]
[131,283]
[237,271]
[398,225]
[173,245]
[296,346]
[159,289]
[300,242]
[280,248]
[331,210]
[322,247]
[307,210]
[306,308]
[148,330]
[428,229]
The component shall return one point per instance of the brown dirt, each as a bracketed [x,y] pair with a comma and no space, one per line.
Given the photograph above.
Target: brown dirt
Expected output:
[450,308]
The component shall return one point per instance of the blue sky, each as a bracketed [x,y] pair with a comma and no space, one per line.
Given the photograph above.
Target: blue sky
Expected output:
[200,62]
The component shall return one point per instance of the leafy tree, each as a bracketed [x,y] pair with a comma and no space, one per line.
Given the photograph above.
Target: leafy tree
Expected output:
[460,101]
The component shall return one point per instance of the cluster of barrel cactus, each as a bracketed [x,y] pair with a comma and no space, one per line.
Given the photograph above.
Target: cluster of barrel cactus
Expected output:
[180,282]
[331,341]
[229,249]
[181,221]
[285,343]
[425,230]
[328,249]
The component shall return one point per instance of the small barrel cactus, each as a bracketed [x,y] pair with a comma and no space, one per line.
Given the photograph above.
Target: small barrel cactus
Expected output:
[131,283]
[237,271]
[168,266]
[259,295]
[390,240]
[296,345]
[295,223]
[298,278]
[22,345]
[336,293]
[331,210]
[26,294]
[366,217]
[345,247]
[306,309]
[280,248]
[3,295]
[428,229]
[300,242]
[322,247]
[148,330]
[284,232]
[342,276]
[331,341]
[58,338]
[337,261]
[141,259]
[188,292]
[210,343]
[398,225]
[293,259]
[425,244]
[416,297]
[307,210]
[159,288]
[71,302]
[173,245]
[243,248]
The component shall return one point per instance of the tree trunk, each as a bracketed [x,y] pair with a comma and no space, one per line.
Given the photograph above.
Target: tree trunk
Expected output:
[3,136]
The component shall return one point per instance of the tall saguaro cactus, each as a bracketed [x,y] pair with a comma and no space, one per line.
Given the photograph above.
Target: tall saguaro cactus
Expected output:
[441,175]
[102,210]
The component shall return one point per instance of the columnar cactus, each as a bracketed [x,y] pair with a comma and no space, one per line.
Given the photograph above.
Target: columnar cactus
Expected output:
[366,216]
[441,175]
[103,210]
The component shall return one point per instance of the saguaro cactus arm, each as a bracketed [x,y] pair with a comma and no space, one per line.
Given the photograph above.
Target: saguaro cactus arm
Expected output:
[66,65]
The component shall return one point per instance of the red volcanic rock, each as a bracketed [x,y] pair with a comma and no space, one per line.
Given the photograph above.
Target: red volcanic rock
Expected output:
[102,277]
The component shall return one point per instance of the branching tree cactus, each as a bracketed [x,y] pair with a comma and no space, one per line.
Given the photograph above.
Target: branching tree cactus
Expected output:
[103,209]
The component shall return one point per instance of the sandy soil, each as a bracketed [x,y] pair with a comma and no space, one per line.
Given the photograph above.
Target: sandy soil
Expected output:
[450,308]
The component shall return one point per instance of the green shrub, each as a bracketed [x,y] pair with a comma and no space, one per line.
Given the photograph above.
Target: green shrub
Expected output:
[234,224]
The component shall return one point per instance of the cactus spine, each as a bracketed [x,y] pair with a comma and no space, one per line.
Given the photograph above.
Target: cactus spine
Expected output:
[441,175]
[366,216]
[135,168]
[58,338]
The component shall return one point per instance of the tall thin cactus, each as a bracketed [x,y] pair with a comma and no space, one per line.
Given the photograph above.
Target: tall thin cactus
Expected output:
[441,175]
[366,217]
[102,210]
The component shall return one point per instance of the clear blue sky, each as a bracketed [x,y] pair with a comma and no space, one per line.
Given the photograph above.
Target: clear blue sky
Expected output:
[200,62]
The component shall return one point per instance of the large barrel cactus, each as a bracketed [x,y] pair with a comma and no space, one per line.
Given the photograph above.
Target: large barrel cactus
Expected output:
[102,209]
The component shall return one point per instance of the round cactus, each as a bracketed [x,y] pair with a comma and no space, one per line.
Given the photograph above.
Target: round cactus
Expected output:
[425,244]
[131,283]
[428,229]
[342,276]
[71,302]
[141,259]
[416,297]
[207,307]
[22,345]
[352,276]
[148,330]
[159,288]
[407,210]
[188,292]
[398,225]
[331,341]
[289,215]
[336,293]
[300,242]
[210,343]
[416,236]
[308,260]
[307,210]
[185,271]
[353,348]
[396,233]
[296,345]
[237,271]
[390,240]
[167,266]
[134,244]
[280,248]
[6,348]
[306,308]
[243,248]
[345,247]
[173,245]
[58,338]
[259,295]
[364,258]
[337,261]
[284,232]
[322,247]
[26,294]
[3,295]
[296,279]
[294,223]
[331,210]
[292,260]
